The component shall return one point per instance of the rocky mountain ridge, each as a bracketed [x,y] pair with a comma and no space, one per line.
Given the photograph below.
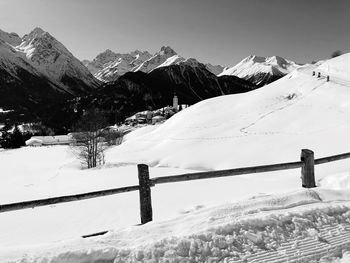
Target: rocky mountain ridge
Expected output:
[108,65]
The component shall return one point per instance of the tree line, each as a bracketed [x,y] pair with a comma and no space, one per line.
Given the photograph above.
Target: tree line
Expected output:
[90,137]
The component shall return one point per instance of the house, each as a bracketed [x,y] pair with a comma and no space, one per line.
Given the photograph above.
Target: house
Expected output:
[49,140]
[131,120]
[157,119]
[139,118]
[34,142]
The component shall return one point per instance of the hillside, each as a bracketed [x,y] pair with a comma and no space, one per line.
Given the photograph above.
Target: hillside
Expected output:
[297,111]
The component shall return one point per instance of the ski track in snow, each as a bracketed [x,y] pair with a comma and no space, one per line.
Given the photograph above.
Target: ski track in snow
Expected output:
[294,101]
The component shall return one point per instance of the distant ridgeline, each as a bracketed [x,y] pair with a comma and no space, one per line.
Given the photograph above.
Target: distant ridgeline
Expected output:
[139,91]
[42,82]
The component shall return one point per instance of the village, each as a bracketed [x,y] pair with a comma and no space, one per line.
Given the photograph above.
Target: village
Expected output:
[139,119]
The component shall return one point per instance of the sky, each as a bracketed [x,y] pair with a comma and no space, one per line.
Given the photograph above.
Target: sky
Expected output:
[212,31]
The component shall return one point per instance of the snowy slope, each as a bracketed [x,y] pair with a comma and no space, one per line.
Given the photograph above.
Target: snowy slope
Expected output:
[297,111]
[260,70]
[11,60]
[156,60]
[292,225]
[171,61]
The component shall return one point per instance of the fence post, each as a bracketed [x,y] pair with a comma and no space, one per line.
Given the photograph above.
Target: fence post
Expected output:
[145,194]
[308,168]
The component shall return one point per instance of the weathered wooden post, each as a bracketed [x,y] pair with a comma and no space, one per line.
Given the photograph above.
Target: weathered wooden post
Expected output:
[308,168]
[145,194]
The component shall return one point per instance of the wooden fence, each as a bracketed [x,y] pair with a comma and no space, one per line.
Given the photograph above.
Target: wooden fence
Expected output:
[306,163]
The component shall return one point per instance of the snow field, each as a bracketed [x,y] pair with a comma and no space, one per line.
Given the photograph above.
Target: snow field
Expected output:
[294,227]
[46,228]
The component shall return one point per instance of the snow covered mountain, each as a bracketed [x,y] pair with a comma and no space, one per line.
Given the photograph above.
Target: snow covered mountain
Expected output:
[54,60]
[261,70]
[42,55]
[160,59]
[108,65]
[189,79]
[38,75]
[22,85]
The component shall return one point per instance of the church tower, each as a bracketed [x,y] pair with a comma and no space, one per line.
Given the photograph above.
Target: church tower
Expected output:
[175,102]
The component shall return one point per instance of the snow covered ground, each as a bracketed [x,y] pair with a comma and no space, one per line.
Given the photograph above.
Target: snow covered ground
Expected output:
[250,218]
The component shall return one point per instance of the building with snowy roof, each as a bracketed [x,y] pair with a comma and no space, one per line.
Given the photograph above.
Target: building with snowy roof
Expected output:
[49,140]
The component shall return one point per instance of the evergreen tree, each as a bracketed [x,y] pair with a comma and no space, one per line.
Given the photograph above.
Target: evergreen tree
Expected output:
[11,140]
[17,139]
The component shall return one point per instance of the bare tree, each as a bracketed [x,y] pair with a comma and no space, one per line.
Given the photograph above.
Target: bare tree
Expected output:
[89,142]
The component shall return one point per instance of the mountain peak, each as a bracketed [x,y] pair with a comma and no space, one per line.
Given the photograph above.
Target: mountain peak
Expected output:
[51,58]
[108,51]
[261,70]
[192,62]
[276,60]
[106,56]
[167,50]
[255,59]
[41,42]
[38,30]
[35,33]
[273,60]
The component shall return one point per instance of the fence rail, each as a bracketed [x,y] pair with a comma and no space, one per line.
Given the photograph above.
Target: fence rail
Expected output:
[65,199]
[306,164]
[224,173]
[332,158]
